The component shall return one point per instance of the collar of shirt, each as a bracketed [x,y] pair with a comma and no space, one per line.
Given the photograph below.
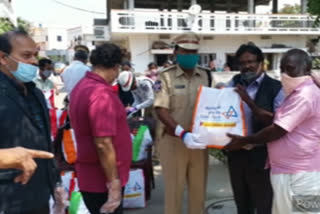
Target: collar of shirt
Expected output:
[180,72]
[258,81]
[77,62]
[140,80]
[99,79]
[39,78]
[305,83]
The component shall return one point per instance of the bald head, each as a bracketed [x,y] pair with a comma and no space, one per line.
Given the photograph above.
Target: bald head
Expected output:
[296,63]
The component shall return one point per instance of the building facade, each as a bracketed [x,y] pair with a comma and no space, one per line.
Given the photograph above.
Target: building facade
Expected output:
[52,41]
[145,28]
[6,11]
[81,35]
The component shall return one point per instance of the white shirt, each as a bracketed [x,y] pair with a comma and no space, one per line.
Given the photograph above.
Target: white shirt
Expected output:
[44,85]
[73,74]
[143,95]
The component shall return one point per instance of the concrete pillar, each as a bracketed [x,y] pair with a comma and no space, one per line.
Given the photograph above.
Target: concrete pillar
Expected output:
[179,3]
[251,6]
[304,6]
[275,6]
[212,5]
[220,60]
[251,10]
[169,4]
[229,6]
[140,45]
[130,4]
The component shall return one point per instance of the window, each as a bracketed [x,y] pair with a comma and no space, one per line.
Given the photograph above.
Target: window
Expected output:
[206,58]
[59,38]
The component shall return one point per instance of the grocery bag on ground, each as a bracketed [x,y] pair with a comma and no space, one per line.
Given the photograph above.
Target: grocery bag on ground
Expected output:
[218,112]
[140,143]
[134,194]
[77,205]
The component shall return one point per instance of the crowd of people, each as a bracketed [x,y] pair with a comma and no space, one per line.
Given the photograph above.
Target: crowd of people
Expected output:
[277,160]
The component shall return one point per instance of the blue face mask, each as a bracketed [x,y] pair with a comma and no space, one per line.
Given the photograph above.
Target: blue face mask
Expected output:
[188,61]
[25,72]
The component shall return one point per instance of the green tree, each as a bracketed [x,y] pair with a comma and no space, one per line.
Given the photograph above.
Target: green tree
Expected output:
[24,25]
[314,9]
[290,9]
[6,25]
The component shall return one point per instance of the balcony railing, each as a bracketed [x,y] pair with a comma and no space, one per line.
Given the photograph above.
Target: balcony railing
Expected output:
[125,21]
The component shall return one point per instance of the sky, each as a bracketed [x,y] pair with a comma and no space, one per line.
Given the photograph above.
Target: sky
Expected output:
[49,12]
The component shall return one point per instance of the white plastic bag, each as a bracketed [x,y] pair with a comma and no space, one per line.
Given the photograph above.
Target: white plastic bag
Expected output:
[140,144]
[134,194]
[76,203]
[218,112]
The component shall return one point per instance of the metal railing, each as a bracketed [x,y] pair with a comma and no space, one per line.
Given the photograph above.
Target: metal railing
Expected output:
[125,21]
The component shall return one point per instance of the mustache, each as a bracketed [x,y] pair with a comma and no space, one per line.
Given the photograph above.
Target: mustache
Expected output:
[247,70]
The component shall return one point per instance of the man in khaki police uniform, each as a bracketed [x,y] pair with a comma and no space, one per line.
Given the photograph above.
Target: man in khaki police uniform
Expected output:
[184,161]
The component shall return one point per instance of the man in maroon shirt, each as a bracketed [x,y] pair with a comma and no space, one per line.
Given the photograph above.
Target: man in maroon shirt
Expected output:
[103,139]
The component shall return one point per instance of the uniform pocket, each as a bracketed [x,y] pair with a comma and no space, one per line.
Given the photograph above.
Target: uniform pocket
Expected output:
[179,99]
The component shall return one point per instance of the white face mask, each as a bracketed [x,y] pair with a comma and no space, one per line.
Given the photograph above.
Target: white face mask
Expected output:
[289,84]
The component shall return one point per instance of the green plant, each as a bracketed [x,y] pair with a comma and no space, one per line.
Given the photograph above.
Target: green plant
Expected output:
[6,25]
[314,9]
[315,63]
[218,154]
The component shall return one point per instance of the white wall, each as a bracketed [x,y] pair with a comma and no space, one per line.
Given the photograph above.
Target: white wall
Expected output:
[139,46]
[229,44]
[52,42]
[6,10]
[86,34]
[87,37]
[220,45]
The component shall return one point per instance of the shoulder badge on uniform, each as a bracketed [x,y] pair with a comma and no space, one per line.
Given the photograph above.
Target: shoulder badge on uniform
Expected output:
[203,68]
[168,68]
[157,86]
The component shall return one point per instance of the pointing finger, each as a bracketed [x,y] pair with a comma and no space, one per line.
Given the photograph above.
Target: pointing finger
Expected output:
[40,154]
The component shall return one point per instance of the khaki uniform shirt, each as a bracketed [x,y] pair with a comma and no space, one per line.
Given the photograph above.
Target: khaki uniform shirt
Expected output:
[177,92]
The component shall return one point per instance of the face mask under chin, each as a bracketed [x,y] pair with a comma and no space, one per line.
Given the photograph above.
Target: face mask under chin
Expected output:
[248,77]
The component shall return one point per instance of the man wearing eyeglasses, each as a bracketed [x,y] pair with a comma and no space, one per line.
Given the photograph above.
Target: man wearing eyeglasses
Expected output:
[261,96]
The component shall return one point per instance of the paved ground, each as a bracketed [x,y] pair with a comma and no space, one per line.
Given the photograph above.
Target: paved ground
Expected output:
[218,189]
